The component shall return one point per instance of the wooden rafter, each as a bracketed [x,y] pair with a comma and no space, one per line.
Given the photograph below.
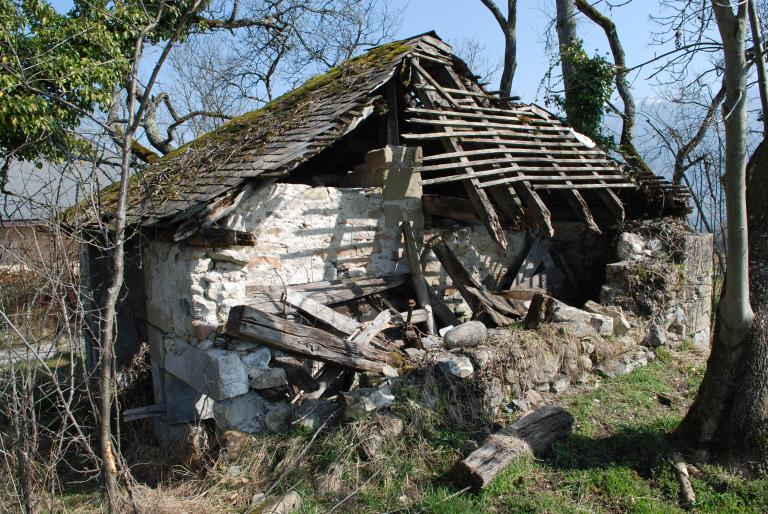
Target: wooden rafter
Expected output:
[477,196]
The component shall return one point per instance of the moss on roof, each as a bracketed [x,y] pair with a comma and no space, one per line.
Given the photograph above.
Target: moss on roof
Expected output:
[170,177]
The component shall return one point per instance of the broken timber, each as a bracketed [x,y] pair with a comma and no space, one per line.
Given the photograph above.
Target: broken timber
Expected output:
[532,434]
[479,198]
[329,292]
[253,325]
[497,308]
[417,274]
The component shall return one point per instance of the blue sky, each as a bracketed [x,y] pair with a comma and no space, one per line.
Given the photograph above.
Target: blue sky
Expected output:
[455,19]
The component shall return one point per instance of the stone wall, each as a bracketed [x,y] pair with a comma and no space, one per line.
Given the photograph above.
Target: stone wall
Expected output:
[665,282]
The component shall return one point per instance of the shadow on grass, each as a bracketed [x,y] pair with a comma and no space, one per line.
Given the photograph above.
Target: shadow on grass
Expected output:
[638,447]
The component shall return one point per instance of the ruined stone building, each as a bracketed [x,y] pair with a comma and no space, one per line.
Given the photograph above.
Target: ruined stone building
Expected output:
[300,250]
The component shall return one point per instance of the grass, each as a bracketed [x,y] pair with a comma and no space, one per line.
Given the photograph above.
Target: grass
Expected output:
[613,462]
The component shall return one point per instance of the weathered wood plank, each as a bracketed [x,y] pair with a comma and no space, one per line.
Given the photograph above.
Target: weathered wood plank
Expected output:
[533,259]
[374,328]
[522,176]
[427,136]
[546,159]
[329,292]
[251,324]
[321,312]
[510,125]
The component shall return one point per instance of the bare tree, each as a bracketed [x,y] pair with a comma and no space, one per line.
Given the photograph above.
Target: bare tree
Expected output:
[508,25]
[627,114]
[221,74]
[473,52]
[729,418]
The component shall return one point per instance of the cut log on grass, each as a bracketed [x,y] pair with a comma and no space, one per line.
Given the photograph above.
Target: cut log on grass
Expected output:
[253,325]
[530,435]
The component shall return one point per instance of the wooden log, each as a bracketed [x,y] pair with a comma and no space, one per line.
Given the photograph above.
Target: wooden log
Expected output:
[253,325]
[531,435]
[417,274]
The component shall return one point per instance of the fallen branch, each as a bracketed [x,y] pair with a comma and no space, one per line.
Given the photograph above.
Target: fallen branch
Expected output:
[687,495]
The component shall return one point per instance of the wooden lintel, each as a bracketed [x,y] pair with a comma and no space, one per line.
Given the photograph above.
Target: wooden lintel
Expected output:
[217,237]
[459,209]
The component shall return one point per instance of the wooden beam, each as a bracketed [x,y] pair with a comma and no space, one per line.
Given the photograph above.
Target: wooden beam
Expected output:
[253,325]
[428,136]
[607,186]
[533,259]
[417,273]
[217,237]
[479,300]
[319,311]
[545,159]
[534,204]
[452,207]
[478,198]
[523,176]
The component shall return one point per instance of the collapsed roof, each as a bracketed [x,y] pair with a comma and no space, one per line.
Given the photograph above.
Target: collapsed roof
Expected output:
[512,161]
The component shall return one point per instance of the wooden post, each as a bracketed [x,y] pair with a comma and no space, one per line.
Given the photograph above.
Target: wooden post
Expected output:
[417,274]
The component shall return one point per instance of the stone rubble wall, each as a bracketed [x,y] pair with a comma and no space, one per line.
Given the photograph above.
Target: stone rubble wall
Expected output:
[681,292]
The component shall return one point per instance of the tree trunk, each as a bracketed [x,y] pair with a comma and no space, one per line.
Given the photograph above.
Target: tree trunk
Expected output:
[627,143]
[728,421]
[762,80]
[508,27]
[566,35]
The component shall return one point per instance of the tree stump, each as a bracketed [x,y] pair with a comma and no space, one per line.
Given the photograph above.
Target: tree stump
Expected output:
[530,435]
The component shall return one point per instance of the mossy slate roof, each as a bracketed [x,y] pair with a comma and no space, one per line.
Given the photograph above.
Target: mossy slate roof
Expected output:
[271,141]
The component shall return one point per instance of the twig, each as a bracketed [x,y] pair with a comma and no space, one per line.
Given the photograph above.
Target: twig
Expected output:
[687,495]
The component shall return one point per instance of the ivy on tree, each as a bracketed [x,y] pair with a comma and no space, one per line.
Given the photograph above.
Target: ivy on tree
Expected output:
[584,103]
